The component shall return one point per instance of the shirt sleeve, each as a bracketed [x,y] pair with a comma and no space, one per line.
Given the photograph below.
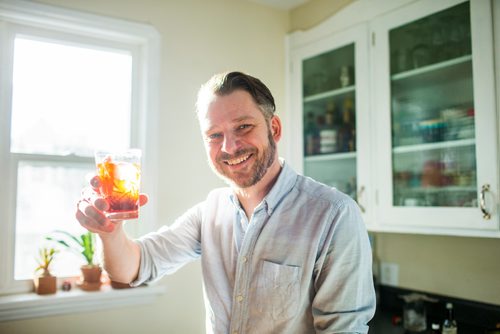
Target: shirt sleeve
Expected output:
[165,251]
[345,297]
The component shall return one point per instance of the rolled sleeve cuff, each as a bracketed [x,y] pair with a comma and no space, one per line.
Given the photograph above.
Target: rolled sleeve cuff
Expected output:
[145,267]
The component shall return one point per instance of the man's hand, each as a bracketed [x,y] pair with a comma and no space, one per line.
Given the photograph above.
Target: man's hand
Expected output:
[91,208]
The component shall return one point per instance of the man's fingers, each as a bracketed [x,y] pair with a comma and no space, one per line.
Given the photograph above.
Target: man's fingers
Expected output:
[91,208]
[85,222]
[91,196]
[95,182]
[90,211]
[143,199]
[92,219]
[92,226]
[101,204]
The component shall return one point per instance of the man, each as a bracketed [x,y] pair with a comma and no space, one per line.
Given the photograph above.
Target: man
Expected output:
[280,252]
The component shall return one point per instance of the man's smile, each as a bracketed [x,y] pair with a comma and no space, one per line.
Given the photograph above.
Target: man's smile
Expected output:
[238,160]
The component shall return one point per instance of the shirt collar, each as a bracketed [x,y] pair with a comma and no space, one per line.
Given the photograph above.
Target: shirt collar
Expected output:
[284,184]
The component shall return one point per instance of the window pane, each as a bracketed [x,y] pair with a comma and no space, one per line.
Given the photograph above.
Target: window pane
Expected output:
[46,200]
[69,99]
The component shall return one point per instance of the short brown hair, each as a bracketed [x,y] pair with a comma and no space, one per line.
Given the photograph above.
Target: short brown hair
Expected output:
[228,82]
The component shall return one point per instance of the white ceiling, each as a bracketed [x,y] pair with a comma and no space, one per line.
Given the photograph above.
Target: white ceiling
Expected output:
[281,4]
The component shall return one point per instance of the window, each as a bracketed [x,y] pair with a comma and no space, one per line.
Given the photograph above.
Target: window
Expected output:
[66,100]
[70,83]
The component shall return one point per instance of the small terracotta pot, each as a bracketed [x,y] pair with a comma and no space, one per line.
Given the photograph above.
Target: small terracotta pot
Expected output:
[91,278]
[45,285]
[91,274]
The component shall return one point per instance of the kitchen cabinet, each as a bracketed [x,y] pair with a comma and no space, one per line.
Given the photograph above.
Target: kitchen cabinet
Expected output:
[330,120]
[438,154]
[425,155]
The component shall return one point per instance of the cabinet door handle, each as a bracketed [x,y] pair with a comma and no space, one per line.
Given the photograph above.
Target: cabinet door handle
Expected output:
[482,201]
[360,193]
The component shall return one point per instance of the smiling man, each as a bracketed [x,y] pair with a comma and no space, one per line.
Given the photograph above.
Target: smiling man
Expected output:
[240,137]
[280,252]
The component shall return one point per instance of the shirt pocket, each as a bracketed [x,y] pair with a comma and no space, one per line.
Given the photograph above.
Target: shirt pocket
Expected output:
[278,290]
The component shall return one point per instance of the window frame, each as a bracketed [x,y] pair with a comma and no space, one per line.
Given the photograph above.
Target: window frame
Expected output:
[51,22]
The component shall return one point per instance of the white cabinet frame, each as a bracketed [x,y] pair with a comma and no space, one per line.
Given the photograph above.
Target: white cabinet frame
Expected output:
[374,151]
[439,220]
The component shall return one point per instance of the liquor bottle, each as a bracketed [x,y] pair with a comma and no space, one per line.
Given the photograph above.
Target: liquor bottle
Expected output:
[345,78]
[347,131]
[311,135]
[328,131]
[449,324]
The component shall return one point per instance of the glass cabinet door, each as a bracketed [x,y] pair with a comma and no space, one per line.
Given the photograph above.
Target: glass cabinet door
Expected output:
[330,127]
[329,118]
[434,94]
[432,111]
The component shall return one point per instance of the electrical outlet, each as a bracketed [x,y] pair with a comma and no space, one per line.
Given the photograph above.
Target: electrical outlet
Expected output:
[389,273]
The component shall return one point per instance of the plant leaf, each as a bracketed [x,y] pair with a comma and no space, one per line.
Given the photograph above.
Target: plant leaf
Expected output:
[71,236]
[62,242]
[81,245]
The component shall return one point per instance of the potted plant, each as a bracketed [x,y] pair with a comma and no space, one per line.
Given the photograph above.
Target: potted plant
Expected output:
[83,245]
[44,282]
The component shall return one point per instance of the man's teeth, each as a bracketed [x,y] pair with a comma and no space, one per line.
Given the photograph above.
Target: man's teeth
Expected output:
[237,160]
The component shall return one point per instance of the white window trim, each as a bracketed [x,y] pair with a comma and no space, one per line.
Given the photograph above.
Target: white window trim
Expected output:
[26,306]
[145,41]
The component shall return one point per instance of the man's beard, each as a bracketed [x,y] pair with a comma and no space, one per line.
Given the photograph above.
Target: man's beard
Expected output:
[259,168]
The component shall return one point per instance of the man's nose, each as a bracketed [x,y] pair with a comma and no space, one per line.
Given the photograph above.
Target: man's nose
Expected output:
[230,144]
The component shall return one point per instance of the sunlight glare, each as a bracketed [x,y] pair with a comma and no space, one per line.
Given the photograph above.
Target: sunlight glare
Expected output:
[69,99]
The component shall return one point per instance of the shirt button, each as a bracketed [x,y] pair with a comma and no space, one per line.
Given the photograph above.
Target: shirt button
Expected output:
[239,298]
[244,259]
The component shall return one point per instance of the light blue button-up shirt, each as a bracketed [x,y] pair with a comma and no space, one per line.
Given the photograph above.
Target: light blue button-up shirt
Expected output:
[301,263]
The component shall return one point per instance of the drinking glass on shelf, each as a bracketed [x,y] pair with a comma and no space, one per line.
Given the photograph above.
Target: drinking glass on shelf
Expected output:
[120,176]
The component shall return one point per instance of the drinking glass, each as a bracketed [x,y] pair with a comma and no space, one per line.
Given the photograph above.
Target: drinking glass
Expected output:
[120,176]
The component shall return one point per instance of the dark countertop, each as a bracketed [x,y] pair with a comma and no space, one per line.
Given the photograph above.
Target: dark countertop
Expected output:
[382,324]
[472,317]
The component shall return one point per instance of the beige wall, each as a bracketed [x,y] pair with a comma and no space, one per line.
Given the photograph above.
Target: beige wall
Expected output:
[454,266]
[314,12]
[199,38]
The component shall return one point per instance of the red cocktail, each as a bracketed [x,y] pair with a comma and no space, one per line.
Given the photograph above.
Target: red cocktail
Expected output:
[120,176]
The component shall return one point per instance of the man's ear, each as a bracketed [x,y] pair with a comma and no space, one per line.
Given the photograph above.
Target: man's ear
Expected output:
[276,128]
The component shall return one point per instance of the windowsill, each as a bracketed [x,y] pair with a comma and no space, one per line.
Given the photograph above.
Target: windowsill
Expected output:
[31,305]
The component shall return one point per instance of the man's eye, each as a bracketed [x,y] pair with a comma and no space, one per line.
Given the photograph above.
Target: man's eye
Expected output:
[214,136]
[244,126]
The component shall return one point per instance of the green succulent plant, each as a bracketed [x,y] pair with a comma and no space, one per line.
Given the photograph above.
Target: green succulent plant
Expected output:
[45,257]
[83,244]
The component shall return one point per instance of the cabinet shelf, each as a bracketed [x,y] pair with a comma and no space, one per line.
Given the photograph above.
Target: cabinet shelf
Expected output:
[446,71]
[434,190]
[331,157]
[434,146]
[331,93]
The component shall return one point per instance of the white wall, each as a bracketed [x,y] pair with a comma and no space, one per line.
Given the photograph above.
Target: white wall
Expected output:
[199,38]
